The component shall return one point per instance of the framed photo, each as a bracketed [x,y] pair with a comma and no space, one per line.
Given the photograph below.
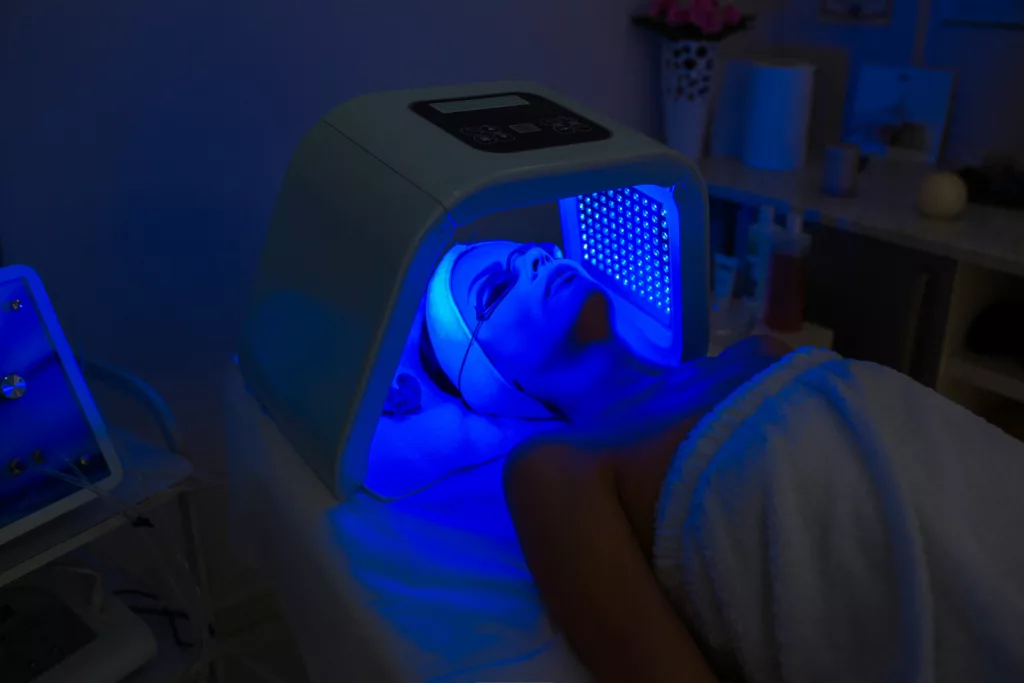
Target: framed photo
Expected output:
[899,112]
[857,11]
[995,13]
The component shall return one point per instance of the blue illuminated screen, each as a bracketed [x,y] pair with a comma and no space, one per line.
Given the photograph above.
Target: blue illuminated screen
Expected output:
[625,242]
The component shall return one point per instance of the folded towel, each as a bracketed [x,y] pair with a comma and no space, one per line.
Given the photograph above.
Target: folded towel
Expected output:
[835,521]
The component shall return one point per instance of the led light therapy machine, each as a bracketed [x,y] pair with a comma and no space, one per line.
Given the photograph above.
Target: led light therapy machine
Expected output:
[53,445]
[381,189]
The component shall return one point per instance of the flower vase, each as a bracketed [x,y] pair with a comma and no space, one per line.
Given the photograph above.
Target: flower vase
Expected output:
[686,70]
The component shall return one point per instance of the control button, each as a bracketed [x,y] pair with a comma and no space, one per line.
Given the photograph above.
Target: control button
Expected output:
[504,137]
[524,128]
[553,122]
[470,131]
[562,129]
[581,128]
[485,139]
[489,129]
[12,387]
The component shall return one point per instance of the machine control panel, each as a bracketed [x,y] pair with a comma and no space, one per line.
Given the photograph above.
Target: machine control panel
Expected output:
[42,423]
[510,122]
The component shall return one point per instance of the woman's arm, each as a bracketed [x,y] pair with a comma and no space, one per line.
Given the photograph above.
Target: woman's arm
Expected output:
[591,571]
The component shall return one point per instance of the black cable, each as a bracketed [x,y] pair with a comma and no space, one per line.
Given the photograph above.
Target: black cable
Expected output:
[157,598]
[141,594]
[172,616]
[161,611]
[139,521]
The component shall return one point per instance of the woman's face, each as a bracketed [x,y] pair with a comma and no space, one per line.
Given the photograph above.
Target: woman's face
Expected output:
[551,309]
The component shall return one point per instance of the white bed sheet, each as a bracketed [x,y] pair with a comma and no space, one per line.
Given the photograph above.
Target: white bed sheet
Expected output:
[430,588]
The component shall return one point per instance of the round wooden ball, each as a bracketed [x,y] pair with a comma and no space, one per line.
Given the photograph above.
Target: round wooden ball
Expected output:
[942,195]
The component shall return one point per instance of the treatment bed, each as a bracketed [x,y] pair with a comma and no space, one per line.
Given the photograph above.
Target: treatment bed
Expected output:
[429,588]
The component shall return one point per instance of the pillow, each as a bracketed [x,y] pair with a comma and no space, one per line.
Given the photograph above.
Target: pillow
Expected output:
[412,450]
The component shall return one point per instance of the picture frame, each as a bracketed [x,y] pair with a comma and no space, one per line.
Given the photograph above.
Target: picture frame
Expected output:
[983,13]
[856,11]
[899,112]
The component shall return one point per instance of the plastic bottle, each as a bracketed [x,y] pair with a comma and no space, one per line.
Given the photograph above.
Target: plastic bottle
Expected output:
[787,288]
[724,278]
[746,218]
[730,318]
[760,244]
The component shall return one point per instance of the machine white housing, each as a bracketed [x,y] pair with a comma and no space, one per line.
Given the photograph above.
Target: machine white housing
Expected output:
[372,199]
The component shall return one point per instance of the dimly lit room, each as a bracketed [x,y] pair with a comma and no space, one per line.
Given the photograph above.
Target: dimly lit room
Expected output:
[577,341]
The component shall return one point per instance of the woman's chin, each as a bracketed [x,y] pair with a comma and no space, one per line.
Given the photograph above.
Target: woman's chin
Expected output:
[594,323]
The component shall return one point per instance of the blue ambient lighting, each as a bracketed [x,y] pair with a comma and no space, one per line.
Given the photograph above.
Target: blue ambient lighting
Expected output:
[628,247]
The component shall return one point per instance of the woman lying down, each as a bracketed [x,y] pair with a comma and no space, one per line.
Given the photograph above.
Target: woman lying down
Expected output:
[759,516]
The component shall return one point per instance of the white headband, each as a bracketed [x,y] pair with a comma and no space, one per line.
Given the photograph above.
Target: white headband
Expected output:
[483,388]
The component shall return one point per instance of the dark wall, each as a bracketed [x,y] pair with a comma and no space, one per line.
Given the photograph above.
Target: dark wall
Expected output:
[142,143]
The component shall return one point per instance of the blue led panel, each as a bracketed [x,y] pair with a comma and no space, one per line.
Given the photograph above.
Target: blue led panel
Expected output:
[624,238]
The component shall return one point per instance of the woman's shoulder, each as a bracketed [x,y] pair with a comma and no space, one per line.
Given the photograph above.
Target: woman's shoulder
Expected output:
[672,404]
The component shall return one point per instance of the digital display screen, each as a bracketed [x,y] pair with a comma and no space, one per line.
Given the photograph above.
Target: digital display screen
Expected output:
[509,122]
[479,104]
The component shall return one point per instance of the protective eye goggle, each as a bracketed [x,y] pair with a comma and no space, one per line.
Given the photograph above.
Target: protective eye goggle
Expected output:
[496,286]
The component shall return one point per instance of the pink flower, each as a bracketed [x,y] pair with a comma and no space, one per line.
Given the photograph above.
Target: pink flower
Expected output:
[678,15]
[713,23]
[660,8]
[705,5]
[731,15]
[700,17]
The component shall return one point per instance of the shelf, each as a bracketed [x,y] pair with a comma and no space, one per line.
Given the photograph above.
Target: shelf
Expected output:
[1002,377]
[884,209]
[809,335]
[150,477]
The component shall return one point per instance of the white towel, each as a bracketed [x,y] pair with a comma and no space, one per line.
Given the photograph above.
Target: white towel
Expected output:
[835,521]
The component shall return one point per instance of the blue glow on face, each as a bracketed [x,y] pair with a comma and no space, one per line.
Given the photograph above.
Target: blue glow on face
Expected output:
[639,227]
